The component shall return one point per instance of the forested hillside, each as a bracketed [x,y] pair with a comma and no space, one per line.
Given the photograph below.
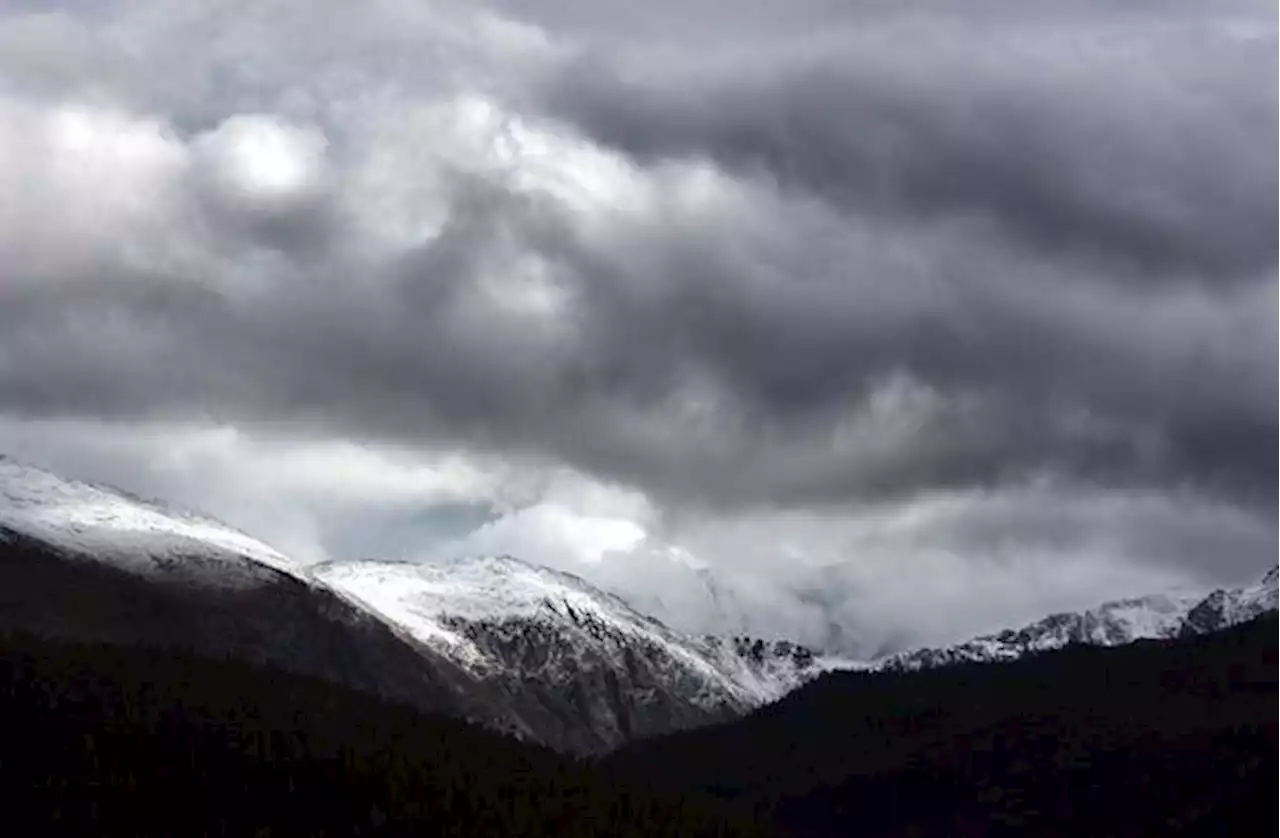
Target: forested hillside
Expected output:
[112,741]
[1173,737]
[1155,738]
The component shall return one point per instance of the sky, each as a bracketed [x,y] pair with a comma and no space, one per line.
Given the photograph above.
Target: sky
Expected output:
[863,323]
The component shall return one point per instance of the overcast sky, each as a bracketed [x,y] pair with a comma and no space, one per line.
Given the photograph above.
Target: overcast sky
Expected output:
[867,323]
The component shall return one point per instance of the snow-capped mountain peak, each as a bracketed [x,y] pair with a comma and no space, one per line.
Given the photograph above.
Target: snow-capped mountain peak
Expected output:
[1228,607]
[568,649]
[134,534]
[432,602]
[479,587]
[429,600]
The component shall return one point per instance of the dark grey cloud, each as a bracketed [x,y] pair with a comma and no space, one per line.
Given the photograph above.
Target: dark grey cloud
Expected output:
[1065,180]
[1061,236]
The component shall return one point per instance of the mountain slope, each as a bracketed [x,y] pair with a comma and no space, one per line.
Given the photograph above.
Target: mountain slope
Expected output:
[1229,607]
[1111,624]
[84,562]
[1172,737]
[581,666]
[129,533]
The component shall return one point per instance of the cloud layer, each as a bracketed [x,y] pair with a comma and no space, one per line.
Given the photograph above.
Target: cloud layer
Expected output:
[737,269]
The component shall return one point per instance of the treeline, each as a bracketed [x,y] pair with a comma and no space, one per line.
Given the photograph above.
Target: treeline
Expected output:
[1157,738]
[117,741]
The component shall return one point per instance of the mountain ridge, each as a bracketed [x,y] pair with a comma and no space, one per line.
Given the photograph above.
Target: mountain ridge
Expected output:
[1114,623]
[539,653]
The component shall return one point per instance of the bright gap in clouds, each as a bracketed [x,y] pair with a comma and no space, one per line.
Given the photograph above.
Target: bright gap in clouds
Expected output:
[553,534]
[262,156]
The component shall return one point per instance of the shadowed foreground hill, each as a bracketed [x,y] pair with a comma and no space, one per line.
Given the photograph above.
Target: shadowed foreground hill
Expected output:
[1172,737]
[116,741]
[277,621]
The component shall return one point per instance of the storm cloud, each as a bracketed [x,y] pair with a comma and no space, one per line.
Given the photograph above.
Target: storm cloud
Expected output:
[661,278]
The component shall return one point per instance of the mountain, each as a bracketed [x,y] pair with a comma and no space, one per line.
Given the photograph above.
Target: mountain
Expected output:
[1224,608]
[1115,623]
[1172,737]
[87,562]
[534,652]
[539,653]
[129,533]
[582,667]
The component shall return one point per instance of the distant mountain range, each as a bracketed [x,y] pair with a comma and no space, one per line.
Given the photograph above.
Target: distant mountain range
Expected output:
[1153,617]
[538,653]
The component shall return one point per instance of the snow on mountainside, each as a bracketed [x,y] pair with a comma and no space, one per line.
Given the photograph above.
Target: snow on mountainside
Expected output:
[584,663]
[1110,624]
[438,603]
[1224,608]
[133,534]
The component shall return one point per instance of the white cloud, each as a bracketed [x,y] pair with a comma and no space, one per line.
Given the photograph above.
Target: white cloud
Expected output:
[297,494]
[553,535]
